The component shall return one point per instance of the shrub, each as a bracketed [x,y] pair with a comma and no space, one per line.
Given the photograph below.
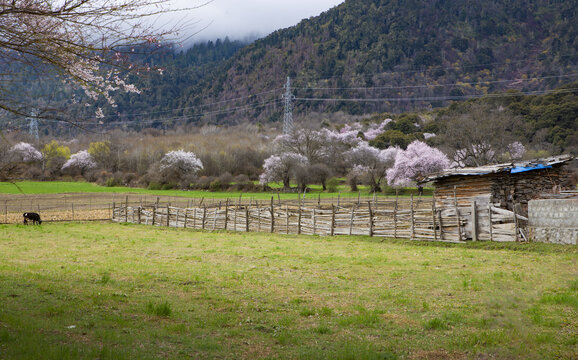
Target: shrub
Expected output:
[153,185]
[216,186]
[332,184]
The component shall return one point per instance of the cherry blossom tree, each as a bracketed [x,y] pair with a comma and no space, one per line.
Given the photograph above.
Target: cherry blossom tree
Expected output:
[319,146]
[416,162]
[178,164]
[282,168]
[375,130]
[25,152]
[73,39]
[372,163]
[81,161]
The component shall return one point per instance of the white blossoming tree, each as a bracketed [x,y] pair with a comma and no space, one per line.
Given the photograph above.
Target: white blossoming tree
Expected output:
[178,165]
[25,152]
[282,168]
[81,161]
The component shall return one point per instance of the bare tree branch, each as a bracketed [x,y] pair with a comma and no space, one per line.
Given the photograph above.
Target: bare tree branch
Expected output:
[80,42]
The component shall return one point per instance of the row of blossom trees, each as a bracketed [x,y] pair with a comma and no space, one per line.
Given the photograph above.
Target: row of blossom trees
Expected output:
[174,164]
[27,153]
[312,156]
[303,157]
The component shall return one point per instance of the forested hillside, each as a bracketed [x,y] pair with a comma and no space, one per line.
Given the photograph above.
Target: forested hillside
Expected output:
[362,57]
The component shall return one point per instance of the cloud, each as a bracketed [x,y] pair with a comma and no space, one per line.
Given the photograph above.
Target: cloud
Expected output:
[239,19]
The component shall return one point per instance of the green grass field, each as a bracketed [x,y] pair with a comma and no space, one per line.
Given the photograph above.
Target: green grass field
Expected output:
[61,187]
[110,291]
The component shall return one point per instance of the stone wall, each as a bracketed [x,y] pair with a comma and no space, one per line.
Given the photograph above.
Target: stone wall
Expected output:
[553,221]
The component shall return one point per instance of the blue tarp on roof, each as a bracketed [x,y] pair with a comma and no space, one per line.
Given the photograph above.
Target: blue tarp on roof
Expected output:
[519,169]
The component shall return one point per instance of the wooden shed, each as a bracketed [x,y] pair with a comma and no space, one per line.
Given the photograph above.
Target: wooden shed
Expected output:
[490,194]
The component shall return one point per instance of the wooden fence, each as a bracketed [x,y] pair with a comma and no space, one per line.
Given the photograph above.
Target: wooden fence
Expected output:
[396,218]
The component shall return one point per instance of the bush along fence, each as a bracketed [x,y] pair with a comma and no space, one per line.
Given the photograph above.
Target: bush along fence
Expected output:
[413,218]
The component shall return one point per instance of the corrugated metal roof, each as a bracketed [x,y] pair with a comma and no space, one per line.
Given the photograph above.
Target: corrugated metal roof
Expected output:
[513,168]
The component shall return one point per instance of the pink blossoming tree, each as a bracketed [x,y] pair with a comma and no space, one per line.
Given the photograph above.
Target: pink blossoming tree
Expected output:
[178,164]
[416,162]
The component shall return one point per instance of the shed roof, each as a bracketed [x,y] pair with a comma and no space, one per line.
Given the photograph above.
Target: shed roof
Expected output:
[512,168]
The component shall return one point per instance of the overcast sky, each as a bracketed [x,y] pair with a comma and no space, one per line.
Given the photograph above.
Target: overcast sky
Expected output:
[241,19]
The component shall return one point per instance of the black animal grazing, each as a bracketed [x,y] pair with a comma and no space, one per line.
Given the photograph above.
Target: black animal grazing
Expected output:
[34,217]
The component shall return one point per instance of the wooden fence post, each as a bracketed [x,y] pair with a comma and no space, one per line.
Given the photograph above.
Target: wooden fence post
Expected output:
[168,214]
[204,217]
[113,209]
[370,218]
[247,218]
[154,211]
[332,219]
[72,204]
[299,222]
[474,222]
[457,215]
[272,216]
[215,219]
[139,214]
[186,213]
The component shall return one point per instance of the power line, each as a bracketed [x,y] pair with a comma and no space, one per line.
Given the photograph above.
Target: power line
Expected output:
[440,85]
[442,98]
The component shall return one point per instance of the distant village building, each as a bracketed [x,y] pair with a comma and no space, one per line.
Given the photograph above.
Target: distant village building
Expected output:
[489,194]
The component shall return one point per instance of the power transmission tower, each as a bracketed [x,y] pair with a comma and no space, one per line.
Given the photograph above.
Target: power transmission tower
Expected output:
[33,126]
[288,118]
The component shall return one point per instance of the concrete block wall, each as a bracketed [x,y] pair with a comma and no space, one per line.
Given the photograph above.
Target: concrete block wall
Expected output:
[554,220]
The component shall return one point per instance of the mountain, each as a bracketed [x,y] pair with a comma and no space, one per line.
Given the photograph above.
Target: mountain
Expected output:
[363,57]
[415,53]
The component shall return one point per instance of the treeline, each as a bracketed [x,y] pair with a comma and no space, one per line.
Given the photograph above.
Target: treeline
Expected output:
[472,133]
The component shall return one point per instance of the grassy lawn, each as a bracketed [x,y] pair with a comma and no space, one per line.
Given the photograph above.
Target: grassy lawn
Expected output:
[61,187]
[110,291]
